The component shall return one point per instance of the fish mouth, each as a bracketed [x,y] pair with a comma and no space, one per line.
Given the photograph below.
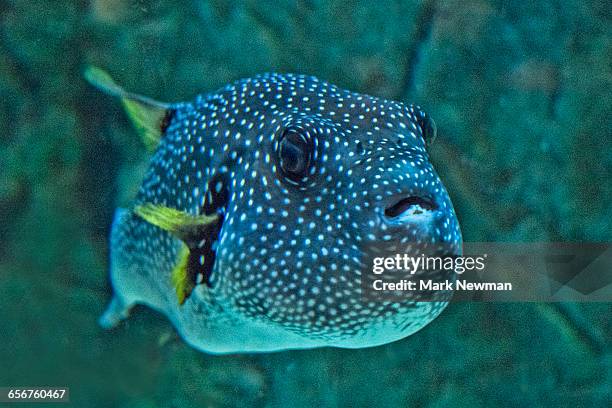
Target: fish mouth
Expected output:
[409,208]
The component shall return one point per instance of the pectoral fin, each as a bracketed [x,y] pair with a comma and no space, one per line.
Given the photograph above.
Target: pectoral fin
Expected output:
[197,233]
[149,117]
[184,226]
[180,276]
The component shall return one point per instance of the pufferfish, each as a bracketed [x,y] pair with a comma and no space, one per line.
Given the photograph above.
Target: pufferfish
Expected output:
[262,207]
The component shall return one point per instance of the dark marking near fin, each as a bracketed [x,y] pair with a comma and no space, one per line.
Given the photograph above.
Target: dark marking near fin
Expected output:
[216,201]
[166,120]
[202,256]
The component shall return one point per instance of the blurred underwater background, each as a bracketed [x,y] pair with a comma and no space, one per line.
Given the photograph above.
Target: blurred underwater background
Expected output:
[522,96]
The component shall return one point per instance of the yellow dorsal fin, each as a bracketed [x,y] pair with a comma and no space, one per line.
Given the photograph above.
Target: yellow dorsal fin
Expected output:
[187,228]
[147,115]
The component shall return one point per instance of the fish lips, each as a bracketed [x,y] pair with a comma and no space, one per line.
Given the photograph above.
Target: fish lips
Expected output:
[419,218]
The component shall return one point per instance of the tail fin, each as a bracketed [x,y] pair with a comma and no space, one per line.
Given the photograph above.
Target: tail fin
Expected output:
[149,117]
[115,312]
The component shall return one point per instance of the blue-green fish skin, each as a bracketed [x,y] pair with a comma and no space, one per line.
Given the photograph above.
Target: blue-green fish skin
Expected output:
[288,253]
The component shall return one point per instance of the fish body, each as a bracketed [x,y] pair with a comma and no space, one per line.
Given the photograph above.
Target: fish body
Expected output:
[261,208]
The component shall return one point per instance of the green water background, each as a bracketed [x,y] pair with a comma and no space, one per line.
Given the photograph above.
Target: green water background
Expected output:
[520,91]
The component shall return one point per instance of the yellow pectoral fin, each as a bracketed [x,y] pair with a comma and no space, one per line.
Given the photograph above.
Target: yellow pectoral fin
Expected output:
[186,227]
[179,223]
[179,277]
[148,116]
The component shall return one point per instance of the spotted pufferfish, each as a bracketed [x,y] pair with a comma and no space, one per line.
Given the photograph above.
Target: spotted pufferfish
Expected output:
[262,206]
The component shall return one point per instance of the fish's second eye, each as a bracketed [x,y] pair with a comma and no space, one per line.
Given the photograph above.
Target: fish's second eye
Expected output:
[294,153]
[426,123]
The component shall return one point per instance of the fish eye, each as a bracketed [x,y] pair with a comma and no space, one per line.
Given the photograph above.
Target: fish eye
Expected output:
[426,123]
[295,155]
[429,129]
